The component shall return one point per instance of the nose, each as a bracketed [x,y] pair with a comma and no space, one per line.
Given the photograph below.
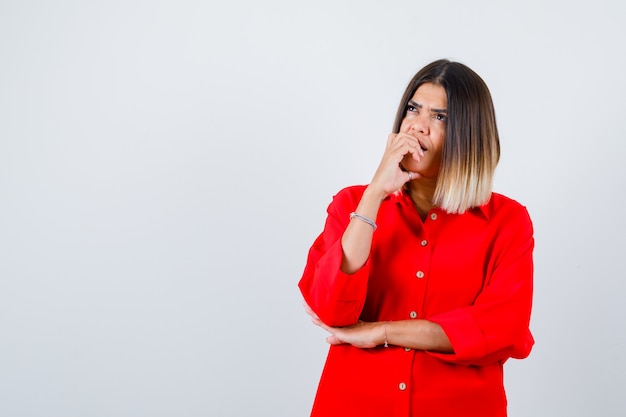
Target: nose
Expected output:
[420,124]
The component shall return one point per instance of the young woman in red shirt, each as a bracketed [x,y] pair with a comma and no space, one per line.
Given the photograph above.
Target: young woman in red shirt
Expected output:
[423,278]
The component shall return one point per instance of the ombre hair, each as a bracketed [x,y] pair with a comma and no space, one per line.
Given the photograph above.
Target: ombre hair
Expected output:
[471,149]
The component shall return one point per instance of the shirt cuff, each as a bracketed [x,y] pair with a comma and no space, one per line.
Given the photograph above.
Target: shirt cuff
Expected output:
[465,336]
[343,294]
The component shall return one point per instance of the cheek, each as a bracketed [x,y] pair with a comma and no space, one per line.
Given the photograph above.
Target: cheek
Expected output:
[405,125]
[440,138]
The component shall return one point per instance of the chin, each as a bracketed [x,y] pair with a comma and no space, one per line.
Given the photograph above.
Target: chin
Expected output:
[410,164]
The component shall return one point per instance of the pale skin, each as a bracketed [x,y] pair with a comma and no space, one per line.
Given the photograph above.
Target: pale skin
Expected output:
[411,156]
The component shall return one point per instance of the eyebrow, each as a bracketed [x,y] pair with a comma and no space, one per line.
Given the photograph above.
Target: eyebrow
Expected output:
[419,106]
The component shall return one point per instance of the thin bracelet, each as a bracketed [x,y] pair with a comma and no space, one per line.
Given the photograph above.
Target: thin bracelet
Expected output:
[363,218]
[385,333]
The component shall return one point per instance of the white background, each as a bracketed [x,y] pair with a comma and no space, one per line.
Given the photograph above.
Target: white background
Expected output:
[165,166]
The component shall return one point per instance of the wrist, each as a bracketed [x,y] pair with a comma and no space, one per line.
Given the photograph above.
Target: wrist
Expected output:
[385,341]
[374,195]
[371,201]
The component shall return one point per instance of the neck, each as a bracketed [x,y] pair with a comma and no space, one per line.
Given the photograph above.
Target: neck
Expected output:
[422,195]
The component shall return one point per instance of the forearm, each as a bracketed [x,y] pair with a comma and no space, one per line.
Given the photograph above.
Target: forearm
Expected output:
[357,238]
[416,334]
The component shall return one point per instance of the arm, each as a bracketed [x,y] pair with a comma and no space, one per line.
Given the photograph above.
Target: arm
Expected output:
[496,326]
[493,328]
[334,282]
[414,334]
[337,297]
[389,178]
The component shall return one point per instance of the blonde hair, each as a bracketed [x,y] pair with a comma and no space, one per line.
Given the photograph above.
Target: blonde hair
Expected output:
[471,148]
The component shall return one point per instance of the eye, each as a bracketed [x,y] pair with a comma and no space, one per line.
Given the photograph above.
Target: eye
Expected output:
[442,117]
[411,108]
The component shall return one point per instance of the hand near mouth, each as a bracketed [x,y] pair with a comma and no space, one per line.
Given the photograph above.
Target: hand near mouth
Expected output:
[391,175]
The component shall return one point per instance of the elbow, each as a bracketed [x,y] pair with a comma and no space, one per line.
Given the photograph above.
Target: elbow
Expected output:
[338,314]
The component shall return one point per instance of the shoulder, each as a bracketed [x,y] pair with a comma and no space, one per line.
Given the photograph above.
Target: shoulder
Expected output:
[505,209]
[499,202]
[350,195]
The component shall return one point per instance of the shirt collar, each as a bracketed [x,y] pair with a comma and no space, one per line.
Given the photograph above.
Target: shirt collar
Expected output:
[403,198]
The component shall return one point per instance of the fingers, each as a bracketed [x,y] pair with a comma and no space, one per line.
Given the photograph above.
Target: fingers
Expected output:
[409,144]
[308,309]
[334,340]
[404,142]
[412,175]
[399,146]
[390,175]
[359,335]
[316,321]
[314,318]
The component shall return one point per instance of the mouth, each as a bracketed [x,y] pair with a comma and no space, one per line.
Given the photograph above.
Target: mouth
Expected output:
[422,145]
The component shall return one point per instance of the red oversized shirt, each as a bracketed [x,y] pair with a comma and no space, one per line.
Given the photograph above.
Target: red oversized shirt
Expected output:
[470,273]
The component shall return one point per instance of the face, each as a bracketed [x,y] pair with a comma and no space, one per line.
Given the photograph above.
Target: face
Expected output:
[426,118]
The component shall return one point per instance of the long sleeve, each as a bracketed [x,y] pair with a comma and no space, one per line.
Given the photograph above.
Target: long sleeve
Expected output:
[336,297]
[496,326]
[471,273]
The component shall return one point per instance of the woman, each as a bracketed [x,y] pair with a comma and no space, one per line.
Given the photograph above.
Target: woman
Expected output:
[423,278]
